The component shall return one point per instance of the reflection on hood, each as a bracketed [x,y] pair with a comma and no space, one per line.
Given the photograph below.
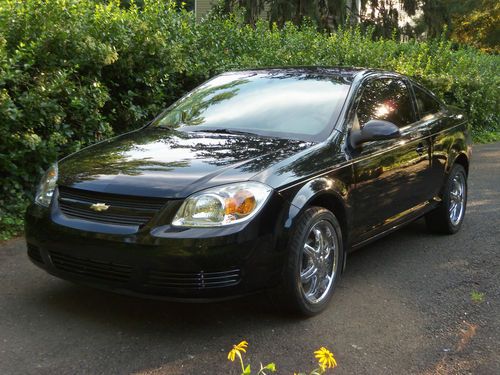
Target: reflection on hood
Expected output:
[169,163]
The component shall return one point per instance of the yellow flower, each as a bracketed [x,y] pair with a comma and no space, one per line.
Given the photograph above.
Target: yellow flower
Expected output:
[325,358]
[236,350]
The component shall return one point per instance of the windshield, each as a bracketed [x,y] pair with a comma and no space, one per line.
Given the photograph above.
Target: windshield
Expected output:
[294,105]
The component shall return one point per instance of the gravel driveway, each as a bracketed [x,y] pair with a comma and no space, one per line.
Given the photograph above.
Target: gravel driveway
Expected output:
[404,306]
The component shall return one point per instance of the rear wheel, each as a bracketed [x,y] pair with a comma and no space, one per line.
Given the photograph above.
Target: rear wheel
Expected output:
[448,217]
[314,262]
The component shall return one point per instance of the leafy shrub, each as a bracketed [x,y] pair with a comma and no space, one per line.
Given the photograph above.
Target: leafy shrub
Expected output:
[76,71]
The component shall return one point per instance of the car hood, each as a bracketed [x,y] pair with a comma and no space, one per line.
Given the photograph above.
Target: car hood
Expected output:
[172,164]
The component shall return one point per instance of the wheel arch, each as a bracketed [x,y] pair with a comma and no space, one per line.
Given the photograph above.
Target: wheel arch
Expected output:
[463,160]
[325,192]
[334,204]
[459,152]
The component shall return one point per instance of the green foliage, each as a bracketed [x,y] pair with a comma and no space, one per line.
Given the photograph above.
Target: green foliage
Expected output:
[479,27]
[76,71]
[486,136]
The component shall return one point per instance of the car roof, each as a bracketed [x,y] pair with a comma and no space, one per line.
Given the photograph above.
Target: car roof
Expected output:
[348,73]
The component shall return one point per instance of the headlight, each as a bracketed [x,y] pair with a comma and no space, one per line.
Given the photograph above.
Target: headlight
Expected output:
[222,205]
[47,186]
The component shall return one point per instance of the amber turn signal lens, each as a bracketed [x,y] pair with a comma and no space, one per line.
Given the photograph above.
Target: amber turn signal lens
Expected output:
[242,203]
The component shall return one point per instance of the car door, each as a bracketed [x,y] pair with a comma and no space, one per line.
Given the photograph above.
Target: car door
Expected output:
[390,175]
[430,112]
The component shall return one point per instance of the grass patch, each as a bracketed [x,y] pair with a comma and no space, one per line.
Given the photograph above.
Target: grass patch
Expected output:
[477,297]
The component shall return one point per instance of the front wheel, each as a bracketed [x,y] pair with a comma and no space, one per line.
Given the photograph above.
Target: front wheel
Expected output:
[448,217]
[314,261]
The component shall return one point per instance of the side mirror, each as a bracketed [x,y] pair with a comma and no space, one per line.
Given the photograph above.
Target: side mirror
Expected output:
[374,130]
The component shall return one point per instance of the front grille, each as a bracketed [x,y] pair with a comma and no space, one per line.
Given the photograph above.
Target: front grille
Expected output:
[123,209]
[91,268]
[200,280]
[34,253]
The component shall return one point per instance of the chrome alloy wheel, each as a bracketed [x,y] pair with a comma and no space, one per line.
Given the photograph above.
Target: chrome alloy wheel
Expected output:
[320,258]
[457,199]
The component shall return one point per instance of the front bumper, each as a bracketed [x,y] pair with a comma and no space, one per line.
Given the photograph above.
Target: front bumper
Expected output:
[161,262]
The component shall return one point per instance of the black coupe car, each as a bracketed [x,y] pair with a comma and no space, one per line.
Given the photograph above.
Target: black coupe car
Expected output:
[257,179]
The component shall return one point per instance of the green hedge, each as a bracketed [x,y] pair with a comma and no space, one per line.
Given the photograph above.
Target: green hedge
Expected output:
[75,71]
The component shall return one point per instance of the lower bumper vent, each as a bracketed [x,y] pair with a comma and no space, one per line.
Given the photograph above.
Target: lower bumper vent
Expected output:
[200,280]
[93,269]
[34,253]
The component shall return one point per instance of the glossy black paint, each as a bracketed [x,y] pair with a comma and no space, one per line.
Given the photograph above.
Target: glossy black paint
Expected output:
[373,188]
[374,130]
[172,164]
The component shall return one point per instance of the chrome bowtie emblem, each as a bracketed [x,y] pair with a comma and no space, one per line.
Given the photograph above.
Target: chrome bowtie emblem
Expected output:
[99,207]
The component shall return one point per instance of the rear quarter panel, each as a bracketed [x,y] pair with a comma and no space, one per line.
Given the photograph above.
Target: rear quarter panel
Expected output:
[450,139]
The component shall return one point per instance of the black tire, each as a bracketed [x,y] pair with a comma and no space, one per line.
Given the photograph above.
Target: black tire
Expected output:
[292,287]
[440,219]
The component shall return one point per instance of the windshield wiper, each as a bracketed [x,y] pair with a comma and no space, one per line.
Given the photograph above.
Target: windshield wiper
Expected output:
[223,131]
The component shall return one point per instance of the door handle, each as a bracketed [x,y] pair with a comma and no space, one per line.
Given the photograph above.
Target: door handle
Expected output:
[420,149]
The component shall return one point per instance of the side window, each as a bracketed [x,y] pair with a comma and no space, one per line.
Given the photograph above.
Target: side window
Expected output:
[426,104]
[386,99]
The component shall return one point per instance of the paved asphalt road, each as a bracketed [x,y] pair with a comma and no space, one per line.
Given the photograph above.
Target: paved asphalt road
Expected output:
[403,307]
